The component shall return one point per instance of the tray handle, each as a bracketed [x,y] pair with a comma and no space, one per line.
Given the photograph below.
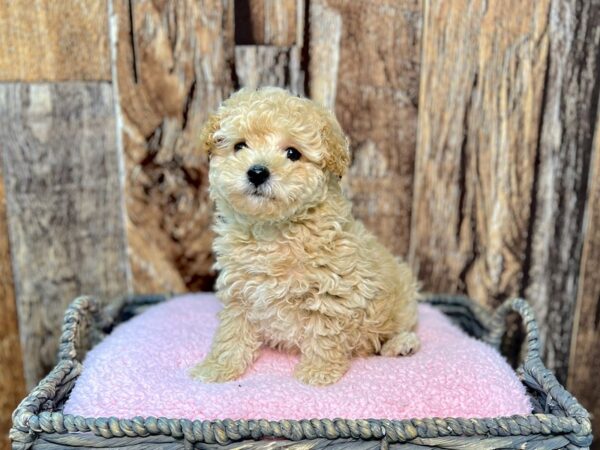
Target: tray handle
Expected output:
[84,324]
[551,395]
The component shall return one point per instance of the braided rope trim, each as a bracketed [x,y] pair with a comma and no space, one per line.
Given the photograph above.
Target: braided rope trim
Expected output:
[226,431]
[83,314]
[34,415]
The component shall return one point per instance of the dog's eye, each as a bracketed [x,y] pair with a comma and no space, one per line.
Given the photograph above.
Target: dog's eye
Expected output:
[240,145]
[292,154]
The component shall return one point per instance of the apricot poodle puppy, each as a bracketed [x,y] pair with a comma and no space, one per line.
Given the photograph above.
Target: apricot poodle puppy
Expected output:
[297,271]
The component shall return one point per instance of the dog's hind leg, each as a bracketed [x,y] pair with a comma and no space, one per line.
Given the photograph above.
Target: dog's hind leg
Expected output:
[404,340]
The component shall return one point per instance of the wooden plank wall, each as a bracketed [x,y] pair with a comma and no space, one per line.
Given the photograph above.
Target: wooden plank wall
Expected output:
[564,154]
[584,362]
[12,382]
[479,112]
[368,71]
[54,41]
[269,44]
[507,112]
[472,134]
[64,205]
[62,179]
[173,65]
[482,81]
[503,158]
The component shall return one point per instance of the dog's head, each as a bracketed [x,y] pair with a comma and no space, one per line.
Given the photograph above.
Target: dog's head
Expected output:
[272,155]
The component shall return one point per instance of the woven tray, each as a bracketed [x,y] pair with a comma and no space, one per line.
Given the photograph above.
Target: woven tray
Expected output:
[558,421]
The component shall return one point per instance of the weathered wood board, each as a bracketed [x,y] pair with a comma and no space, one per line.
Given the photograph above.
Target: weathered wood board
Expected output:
[278,60]
[482,79]
[174,65]
[266,22]
[12,383]
[49,40]
[325,34]
[265,65]
[503,154]
[570,102]
[65,206]
[584,364]
[480,107]
[364,62]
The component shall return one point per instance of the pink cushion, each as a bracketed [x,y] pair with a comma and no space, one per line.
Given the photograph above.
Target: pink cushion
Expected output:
[141,370]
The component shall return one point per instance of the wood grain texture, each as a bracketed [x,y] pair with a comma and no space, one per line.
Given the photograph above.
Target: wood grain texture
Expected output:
[572,84]
[277,61]
[502,165]
[480,107]
[12,381]
[364,61]
[266,22]
[584,364]
[325,34]
[265,65]
[64,204]
[47,40]
[174,64]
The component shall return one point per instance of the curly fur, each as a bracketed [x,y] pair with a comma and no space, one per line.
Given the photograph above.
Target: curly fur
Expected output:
[297,271]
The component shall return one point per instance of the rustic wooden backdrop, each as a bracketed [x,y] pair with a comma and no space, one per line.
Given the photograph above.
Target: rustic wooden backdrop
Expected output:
[475,132]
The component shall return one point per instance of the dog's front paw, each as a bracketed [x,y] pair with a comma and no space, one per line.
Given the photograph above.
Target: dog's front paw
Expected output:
[211,371]
[318,374]
[403,344]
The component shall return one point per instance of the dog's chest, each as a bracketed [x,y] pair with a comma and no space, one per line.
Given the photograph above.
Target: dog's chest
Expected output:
[273,279]
[247,257]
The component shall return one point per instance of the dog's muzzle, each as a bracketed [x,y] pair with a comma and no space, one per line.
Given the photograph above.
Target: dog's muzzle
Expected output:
[258,174]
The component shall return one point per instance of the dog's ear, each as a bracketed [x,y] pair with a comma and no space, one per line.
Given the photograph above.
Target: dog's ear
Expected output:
[337,159]
[207,135]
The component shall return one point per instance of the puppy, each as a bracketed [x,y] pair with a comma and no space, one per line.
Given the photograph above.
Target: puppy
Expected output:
[297,271]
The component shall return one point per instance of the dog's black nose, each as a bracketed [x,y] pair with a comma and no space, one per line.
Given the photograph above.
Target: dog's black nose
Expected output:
[258,174]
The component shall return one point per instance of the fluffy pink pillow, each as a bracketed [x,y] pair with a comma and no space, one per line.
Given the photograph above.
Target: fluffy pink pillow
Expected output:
[141,370]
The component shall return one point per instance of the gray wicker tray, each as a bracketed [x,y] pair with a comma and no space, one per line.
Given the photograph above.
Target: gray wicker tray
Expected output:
[558,420]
